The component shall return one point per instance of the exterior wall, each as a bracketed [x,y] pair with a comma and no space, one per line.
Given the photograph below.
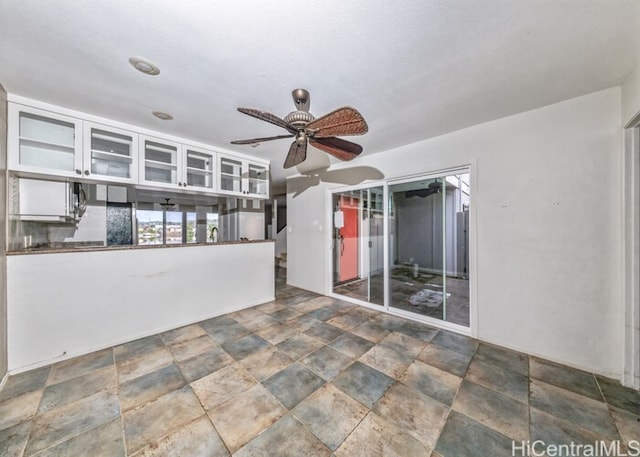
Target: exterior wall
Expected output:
[546,186]
[65,304]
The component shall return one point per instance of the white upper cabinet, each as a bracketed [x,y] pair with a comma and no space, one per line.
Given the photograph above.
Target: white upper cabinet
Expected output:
[44,142]
[110,154]
[243,177]
[159,162]
[167,164]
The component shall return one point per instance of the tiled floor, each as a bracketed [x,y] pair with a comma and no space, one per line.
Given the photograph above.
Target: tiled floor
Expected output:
[307,375]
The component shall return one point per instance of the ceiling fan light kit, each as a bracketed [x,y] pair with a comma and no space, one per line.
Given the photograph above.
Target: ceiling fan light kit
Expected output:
[321,133]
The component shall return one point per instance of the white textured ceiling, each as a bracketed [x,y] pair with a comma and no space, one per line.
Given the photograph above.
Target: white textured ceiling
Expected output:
[414,68]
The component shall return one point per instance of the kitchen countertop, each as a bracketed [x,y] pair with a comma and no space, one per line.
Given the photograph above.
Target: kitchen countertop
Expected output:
[93,248]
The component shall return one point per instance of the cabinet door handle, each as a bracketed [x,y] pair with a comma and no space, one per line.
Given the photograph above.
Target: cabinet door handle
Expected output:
[86,172]
[78,172]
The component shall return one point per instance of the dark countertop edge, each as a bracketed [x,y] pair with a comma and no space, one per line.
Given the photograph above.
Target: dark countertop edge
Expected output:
[129,247]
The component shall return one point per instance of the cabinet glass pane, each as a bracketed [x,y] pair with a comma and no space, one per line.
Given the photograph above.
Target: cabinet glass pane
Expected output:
[160,163]
[231,175]
[46,142]
[199,169]
[111,154]
[257,180]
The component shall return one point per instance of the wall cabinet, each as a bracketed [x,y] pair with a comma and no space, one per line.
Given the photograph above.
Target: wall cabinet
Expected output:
[110,154]
[169,164]
[44,142]
[243,177]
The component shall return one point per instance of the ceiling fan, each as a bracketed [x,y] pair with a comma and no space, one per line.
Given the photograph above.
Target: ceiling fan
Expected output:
[322,132]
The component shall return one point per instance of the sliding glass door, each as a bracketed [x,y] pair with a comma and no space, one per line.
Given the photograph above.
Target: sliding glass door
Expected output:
[429,247]
[427,223]
[358,240]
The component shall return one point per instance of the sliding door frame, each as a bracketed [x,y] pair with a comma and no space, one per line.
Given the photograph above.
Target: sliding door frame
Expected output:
[470,168]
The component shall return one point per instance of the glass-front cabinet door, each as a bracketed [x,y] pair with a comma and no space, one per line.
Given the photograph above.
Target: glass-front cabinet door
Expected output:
[230,175]
[43,142]
[110,154]
[199,168]
[160,162]
[243,178]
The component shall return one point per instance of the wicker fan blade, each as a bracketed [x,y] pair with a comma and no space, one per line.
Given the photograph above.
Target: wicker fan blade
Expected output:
[260,140]
[337,147]
[268,117]
[297,154]
[343,121]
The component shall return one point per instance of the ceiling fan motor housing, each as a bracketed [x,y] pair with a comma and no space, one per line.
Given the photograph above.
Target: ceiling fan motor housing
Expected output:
[299,118]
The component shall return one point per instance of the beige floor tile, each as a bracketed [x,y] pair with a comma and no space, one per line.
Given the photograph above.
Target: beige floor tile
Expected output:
[182,334]
[266,363]
[154,420]
[19,409]
[196,439]
[387,360]
[431,381]
[245,416]
[73,389]
[224,384]
[378,437]
[277,333]
[190,348]
[143,364]
[105,440]
[78,366]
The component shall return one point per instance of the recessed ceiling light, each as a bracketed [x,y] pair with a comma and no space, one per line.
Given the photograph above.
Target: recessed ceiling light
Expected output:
[144,65]
[163,116]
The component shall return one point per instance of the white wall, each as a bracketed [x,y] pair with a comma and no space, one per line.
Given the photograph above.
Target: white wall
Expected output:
[547,186]
[65,304]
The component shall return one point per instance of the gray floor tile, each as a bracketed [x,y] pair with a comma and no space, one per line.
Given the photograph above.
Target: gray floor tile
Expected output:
[445,359]
[150,386]
[503,358]
[14,439]
[371,331]
[287,437]
[419,331]
[222,334]
[327,362]
[67,421]
[293,384]
[285,314]
[348,320]
[464,437]
[619,396]
[375,436]
[206,363]
[509,383]
[78,366]
[628,424]
[568,378]
[389,322]
[458,343]
[419,415]
[501,413]
[324,332]
[105,440]
[582,411]
[299,346]
[138,347]
[303,323]
[552,430]
[363,383]
[351,345]
[196,439]
[431,381]
[322,314]
[390,360]
[330,414]
[277,332]
[245,346]
[73,389]
[23,383]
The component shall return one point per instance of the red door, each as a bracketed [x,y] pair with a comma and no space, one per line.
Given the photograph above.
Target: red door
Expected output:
[349,239]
